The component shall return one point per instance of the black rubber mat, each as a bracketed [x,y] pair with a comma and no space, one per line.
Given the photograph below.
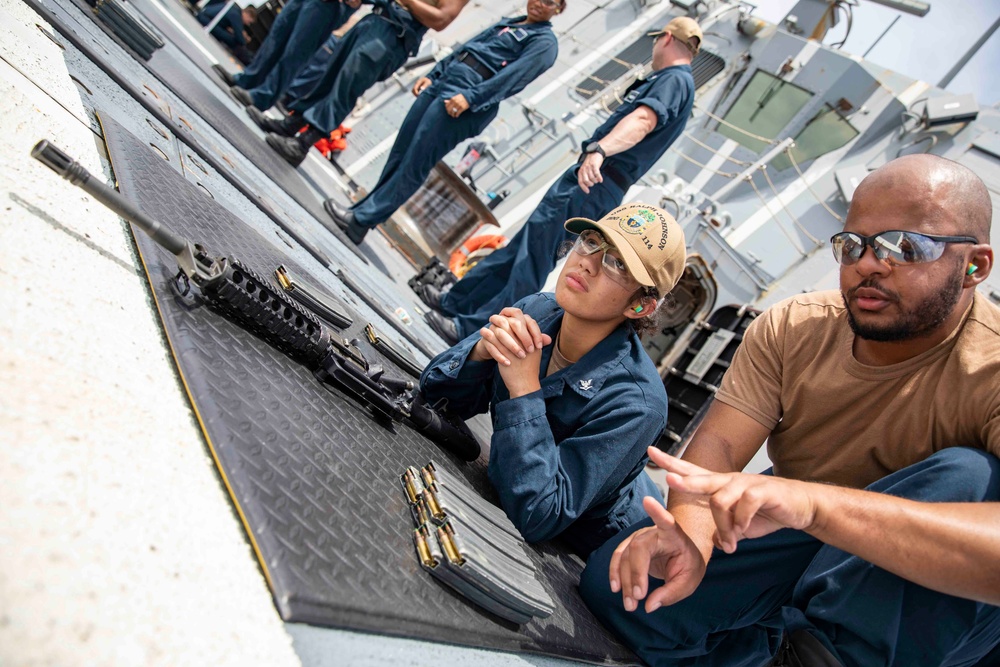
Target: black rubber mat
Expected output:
[84,34]
[313,476]
[370,298]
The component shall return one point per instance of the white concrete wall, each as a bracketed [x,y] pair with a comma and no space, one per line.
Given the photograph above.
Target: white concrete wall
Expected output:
[118,544]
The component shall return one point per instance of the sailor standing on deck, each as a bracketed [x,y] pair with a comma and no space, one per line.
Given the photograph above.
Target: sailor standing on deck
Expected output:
[622,149]
[313,71]
[456,101]
[300,29]
[370,52]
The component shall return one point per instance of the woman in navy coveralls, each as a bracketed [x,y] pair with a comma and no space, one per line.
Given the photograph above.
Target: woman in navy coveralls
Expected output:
[456,101]
[572,419]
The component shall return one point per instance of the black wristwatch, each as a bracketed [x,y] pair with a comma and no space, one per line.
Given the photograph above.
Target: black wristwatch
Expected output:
[594,147]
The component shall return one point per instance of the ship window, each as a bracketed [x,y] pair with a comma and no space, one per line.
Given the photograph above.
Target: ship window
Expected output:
[764,108]
[827,131]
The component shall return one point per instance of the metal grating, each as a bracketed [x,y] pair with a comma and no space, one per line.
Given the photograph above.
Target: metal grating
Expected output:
[638,52]
[705,66]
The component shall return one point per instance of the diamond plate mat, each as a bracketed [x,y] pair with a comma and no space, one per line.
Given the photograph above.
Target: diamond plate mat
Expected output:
[312,475]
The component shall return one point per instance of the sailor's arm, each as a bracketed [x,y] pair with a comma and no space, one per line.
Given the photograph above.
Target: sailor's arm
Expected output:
[460,378]
[725,441]
[745,410]
[678,546]
[952,548]
[948,547]
[628,132]
[435,18]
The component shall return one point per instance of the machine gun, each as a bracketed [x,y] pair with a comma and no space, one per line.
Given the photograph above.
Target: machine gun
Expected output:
[246,298]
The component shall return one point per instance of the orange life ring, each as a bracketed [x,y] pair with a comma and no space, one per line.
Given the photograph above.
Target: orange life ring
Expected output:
[473,249]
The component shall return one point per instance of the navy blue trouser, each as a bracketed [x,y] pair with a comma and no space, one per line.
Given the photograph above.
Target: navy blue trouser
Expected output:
[427,134]
[788,580]
[520,268]
[370,52]
[299,30]
[312,72]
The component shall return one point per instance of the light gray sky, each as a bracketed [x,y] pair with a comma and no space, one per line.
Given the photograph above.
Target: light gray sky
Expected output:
[921,48]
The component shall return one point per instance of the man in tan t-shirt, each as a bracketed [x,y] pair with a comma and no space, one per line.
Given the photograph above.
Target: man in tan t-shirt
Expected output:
[881,408]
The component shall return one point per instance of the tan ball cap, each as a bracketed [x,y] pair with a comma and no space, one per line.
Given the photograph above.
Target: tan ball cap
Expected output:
[685,29]
[649,239]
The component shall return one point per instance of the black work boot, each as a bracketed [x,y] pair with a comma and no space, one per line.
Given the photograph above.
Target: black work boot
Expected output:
[294,149]
[443,326]
[344,217]
[284,126]
[241,95]
[224,74]
[431,296]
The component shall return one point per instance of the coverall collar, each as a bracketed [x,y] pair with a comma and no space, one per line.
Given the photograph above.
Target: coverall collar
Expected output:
[586,376]
[527,26]
[652,76]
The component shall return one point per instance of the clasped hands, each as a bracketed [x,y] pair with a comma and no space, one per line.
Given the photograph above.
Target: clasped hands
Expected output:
[515,342]
[742,506]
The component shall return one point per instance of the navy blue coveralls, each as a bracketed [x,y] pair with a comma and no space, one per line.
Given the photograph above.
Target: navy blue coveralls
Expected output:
[370,52]
[312,72]
[568,459]
[300,29]
[233,20]
[515,54]
[508,274]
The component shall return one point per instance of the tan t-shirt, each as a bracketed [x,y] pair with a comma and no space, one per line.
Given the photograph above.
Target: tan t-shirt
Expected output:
[836,420]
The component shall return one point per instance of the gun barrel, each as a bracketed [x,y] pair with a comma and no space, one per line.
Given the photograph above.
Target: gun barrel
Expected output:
[55,159]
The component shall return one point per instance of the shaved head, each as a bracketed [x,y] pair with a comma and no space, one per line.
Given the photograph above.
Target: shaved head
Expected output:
[898,309]
[937,188]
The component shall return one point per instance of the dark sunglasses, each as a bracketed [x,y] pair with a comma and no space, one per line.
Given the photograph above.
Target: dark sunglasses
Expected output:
[894,246]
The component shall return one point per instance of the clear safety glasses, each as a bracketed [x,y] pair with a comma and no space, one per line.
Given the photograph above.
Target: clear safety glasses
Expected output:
[591,241]
[893,246]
